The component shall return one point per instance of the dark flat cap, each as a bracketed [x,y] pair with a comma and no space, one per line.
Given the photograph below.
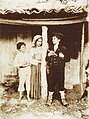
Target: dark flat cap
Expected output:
[58,35]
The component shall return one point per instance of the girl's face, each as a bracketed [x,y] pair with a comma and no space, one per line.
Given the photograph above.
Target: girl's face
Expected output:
[23,48]
[55,40]
[39,42]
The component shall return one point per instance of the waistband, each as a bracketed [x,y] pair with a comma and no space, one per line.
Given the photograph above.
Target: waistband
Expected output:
[23,67]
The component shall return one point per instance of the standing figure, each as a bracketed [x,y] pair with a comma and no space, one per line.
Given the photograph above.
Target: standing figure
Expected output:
[86,91]
[36,67]
[22,62]
[87,81]
[87,71]
[56,63]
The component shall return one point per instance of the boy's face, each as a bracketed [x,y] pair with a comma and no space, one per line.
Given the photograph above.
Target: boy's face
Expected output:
[23,48]
[55,40]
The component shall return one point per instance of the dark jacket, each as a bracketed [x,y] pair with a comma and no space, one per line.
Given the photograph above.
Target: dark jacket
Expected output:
[55,59]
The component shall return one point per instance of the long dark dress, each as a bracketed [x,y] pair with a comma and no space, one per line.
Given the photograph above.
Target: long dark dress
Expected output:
[36,75]
[56,70]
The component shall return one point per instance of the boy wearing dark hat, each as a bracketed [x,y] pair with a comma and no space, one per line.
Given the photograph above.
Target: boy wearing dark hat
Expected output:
[56,62]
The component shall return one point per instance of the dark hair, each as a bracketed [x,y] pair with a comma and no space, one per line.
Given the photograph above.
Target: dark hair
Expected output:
[37,40]
[58,35]
[19,44]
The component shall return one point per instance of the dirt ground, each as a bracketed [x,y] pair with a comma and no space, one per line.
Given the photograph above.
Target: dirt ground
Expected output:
[10,108]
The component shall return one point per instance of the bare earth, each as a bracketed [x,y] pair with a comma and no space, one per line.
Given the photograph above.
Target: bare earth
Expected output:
[10,108]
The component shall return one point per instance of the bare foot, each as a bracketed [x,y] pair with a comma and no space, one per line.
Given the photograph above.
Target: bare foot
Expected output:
[19,99]
[28,99]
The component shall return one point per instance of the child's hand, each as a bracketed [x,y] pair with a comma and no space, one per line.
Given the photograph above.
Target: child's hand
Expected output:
[25,64]
[52,53]
[34,62]
[39,61]
[61,55]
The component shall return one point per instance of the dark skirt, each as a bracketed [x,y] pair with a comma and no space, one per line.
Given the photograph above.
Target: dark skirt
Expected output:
[35,82]
[56,78]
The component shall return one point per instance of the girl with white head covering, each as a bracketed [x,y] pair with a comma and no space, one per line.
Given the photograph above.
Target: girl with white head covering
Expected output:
[36,67]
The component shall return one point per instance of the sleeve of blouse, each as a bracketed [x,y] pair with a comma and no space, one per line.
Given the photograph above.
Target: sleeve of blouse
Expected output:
[16,61]
[32,59]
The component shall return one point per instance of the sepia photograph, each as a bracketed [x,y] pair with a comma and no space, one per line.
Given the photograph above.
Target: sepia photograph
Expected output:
[44,59]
